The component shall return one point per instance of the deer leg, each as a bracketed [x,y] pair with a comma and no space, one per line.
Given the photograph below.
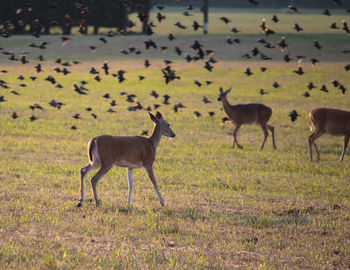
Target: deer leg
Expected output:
[272,129]
[311,141]
[150,174]
[346,141]
[266,134]
[235,132]
[83,172]
[102,172]
[129,184]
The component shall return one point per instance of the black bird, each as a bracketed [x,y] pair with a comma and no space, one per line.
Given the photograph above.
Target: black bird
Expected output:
[342,88]
[297,27]
[345,27]
[253,2]
[78,90]
[263,69]
[160,7]
[89,109]
[299,71]
[196,25]
[2,99]
[335,83]
[327,12]
[51,79]
[208,67]
[262,92]
[93,71]
[14,115]
[208,82]
[317,45]
[255,51]
[248,72]
[65,71]
[121,77]
[33,118]
[105,67]
[147,63]
[324,88]
[275,18]
[234,30]
[294,8]
[106,95]
[347,67]
[276,85]
[178,24]
[283,44]
[93,48]
[178,50]
[38,68]
[334,26]
[97,78]
[160,17]
[293,115]
[197,114]
[56,104]
[154,94]
[104,40]
[197,83]
[225,20]
[314,61]
[40,58]
[113,103]
[306,94]
[166,99]
[211,114]
[287,58]
[76,116]
[311,86]
[141,77]
[171,37]
[150,43]
[206,100]
[94,116]
[73,127]
[186,13]
[15,92]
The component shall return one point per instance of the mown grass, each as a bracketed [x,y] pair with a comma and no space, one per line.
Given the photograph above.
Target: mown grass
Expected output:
[224,207]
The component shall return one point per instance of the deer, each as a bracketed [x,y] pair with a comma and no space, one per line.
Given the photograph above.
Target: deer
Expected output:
[330,121]
[242,114]
[132,152]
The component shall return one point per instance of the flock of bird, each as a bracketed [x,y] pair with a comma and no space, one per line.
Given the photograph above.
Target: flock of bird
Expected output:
[198,53]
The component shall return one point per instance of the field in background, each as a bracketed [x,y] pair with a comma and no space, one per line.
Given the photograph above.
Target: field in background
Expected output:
[224,207]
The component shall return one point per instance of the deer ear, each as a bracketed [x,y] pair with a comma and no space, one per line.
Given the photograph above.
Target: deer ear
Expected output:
[220,90]
[229,90]
[153,118]
[159,116]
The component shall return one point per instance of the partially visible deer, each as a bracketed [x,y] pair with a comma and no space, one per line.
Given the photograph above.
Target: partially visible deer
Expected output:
[330,121]
[131,152]
[242,114]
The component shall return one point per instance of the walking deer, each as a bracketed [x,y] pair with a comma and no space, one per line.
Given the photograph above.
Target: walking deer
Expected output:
[241,114]
[330,121]
[132,152]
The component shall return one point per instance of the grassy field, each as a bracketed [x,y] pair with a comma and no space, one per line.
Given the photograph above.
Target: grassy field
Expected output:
[224,208]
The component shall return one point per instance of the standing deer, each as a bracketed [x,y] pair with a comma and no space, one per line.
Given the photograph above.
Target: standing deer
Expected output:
[241,114]
[331,121]
[131,152]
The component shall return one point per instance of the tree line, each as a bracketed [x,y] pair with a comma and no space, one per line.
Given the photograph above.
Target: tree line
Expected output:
[39,16]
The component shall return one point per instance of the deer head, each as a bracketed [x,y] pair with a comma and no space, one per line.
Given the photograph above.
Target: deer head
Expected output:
[223,94]
[162,124]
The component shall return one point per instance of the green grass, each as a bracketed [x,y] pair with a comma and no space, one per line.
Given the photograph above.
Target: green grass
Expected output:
[224,207]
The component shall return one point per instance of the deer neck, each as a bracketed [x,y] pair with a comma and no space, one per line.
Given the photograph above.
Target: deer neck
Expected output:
[156,136]
[227,105]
